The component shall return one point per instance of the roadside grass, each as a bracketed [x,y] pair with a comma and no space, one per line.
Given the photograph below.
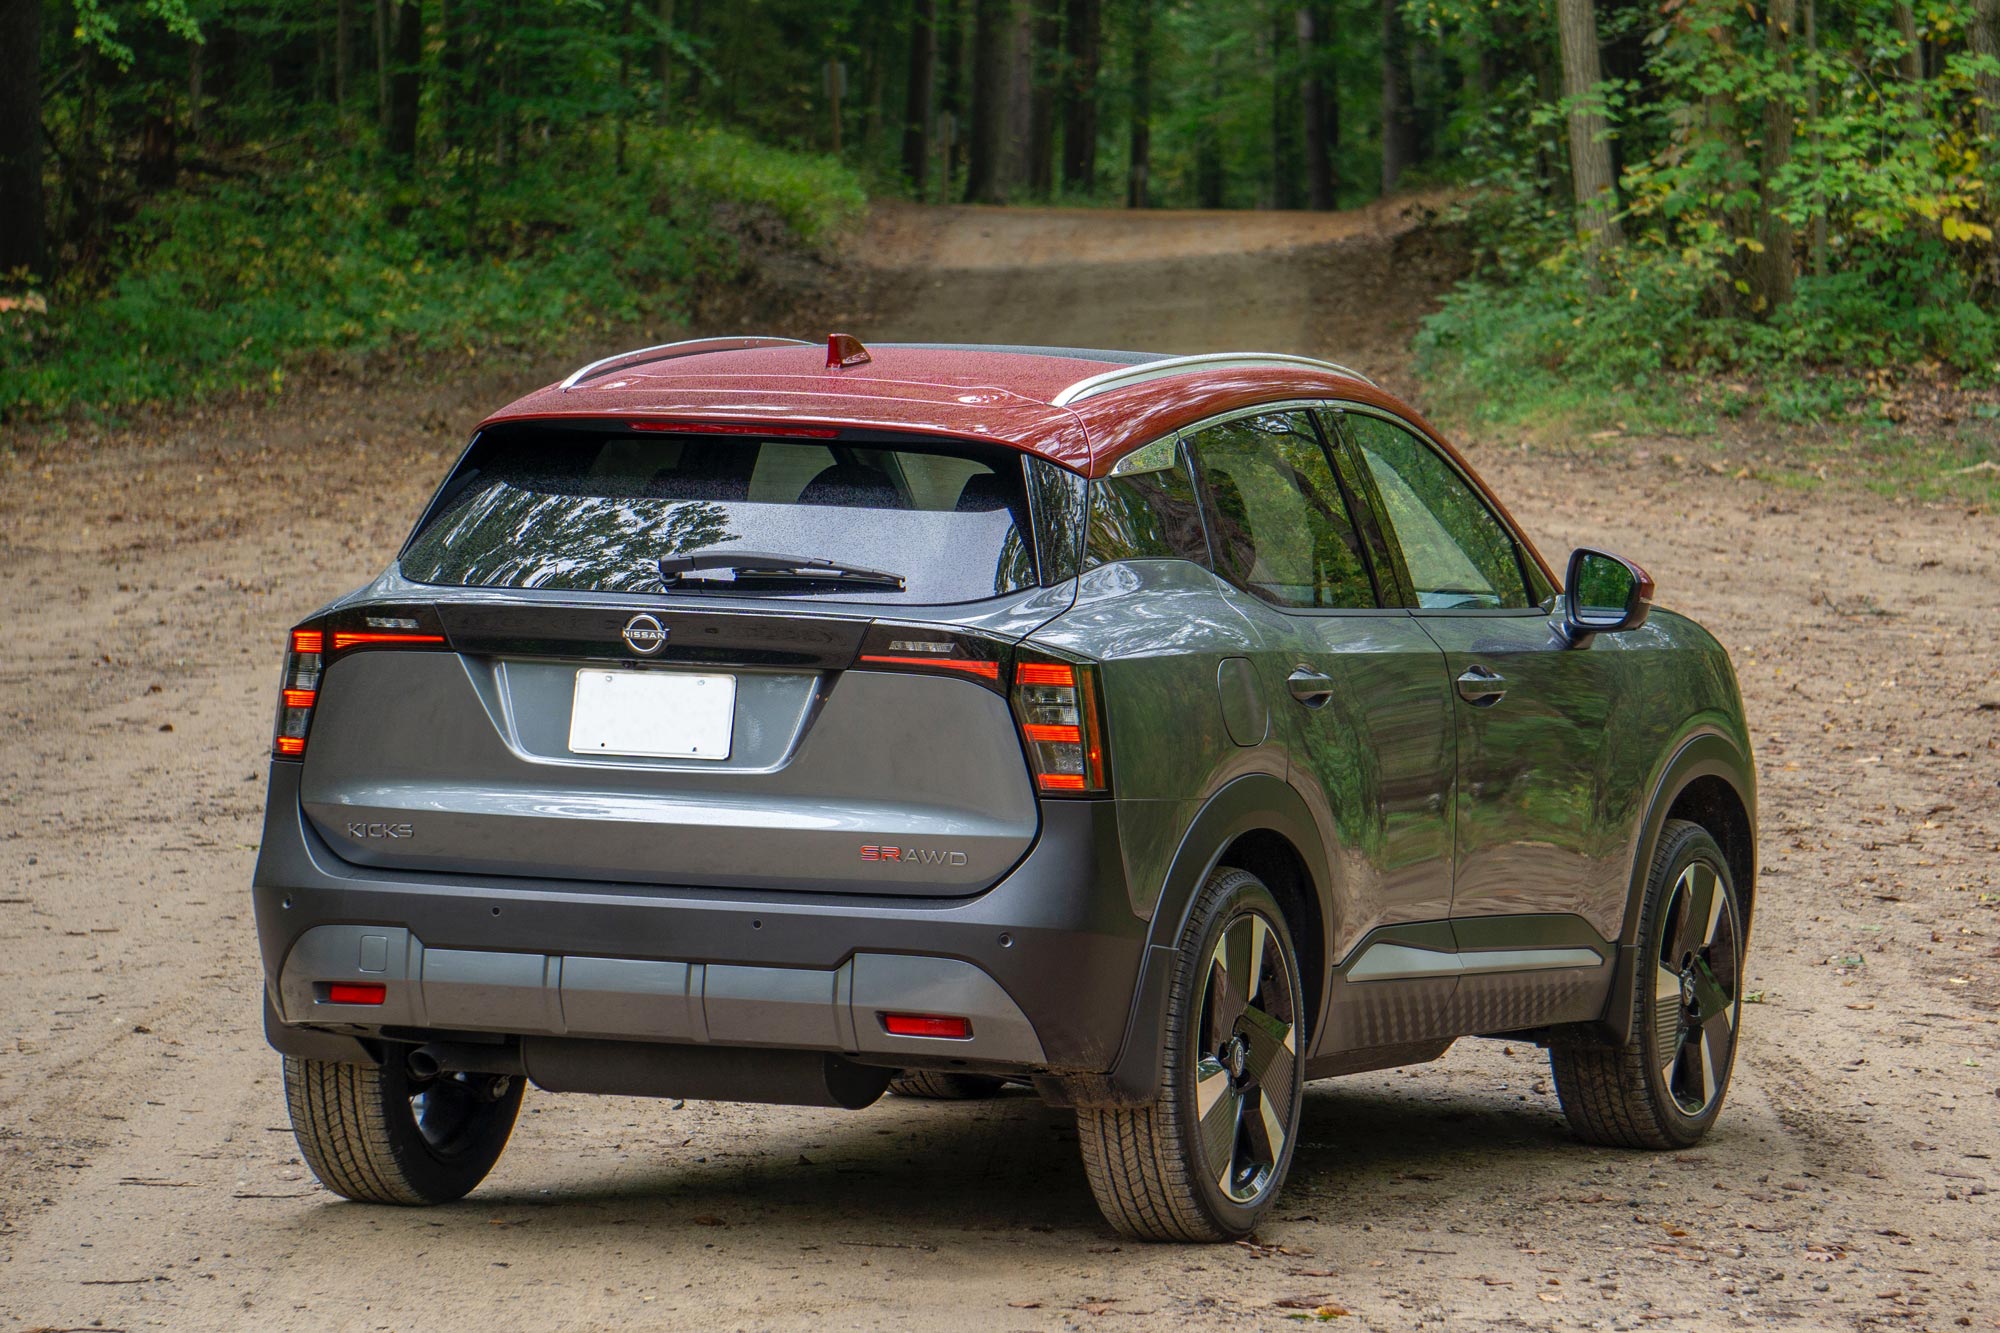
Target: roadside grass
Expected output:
[304,262]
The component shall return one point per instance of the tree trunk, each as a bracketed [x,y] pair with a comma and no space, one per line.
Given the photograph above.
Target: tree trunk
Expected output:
[343,52]
[1042,105]
[1016,164]
[1085,19]
[404,85]
[1986,42]
[382,63]
[1816,244]
[1208,178]
[1140,163]
[1399,147]
[989,100]
[23,222]
[624,109]
[1911,62]
[917,96]
[951,118]
[1287,155]
[664,57]
[1589,143]
[1773,271]
[1314,106]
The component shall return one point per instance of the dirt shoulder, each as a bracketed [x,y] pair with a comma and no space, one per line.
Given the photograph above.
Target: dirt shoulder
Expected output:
[147,1176]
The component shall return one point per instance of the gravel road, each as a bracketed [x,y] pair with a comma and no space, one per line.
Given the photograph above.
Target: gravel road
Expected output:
[148,1179]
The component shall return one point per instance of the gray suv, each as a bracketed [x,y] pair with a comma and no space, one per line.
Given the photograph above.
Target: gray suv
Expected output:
[767,721]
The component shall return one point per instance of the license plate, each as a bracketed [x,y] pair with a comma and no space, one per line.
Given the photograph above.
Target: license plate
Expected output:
[654,714]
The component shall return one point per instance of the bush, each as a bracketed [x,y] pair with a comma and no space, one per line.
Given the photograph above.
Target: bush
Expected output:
[229,285]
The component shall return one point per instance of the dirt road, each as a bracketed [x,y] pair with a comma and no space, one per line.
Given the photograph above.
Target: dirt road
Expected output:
[147,1177]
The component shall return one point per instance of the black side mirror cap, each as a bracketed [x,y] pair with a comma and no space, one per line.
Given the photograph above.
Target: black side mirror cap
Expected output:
[1603,594]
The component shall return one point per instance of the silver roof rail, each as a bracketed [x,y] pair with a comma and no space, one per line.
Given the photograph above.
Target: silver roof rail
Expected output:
[668,351]
[1178,365]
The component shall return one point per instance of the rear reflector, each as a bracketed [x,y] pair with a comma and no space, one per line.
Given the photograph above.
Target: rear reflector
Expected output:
[926,1025]
[356,992]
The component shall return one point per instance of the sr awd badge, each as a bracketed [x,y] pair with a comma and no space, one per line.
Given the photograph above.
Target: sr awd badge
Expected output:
[644,635]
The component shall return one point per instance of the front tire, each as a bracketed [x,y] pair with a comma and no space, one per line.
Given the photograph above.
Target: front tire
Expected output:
[1664,1087]
[1206,1159]
[379,1135]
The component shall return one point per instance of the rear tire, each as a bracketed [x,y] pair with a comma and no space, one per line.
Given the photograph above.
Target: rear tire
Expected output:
[1205,1161]
[376,1135]
[935,1085]
[1664,1087]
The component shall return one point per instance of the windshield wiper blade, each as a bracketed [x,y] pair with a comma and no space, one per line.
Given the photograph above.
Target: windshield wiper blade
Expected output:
[759,567]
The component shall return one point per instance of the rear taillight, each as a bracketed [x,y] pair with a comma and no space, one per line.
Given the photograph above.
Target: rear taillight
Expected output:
[306,657]
[940,652]
[1062,726]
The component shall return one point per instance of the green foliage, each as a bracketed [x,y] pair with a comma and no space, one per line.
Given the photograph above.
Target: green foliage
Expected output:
[232,285]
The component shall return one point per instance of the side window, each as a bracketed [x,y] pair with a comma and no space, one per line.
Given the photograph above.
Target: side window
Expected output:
[1146,509]
[1279,524]
[1458,555]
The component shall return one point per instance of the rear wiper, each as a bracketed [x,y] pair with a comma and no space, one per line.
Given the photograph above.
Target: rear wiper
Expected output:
[760,569]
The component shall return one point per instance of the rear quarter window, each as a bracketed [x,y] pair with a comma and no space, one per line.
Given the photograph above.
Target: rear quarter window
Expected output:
[595,511]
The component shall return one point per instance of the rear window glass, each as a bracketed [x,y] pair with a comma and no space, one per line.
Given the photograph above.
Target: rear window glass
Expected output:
[595,512]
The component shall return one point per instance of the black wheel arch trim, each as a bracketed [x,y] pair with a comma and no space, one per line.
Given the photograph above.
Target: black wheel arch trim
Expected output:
[1706,754]
[1253,803]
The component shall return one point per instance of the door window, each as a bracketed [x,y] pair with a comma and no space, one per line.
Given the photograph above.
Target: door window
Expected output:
[1279,526]
[1458,554]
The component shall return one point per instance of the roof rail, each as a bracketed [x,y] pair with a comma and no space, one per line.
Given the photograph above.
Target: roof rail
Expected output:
[1177,365]
[668,351]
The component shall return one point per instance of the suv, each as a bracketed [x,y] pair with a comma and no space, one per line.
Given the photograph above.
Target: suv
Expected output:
[752,720]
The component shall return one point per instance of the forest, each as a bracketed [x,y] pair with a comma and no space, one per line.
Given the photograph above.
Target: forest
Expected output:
[1650,187]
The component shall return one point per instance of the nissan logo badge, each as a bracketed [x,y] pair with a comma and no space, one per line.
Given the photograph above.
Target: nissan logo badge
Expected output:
[644,635]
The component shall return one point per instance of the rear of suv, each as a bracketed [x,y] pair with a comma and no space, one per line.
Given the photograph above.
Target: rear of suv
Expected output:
[748,722]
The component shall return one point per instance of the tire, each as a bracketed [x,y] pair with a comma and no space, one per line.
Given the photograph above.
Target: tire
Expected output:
[1664,1087]
[1160,1171]
[359,1129]
[934,1085]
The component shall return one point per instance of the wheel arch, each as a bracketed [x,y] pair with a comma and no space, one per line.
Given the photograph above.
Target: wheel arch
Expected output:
[1257,823]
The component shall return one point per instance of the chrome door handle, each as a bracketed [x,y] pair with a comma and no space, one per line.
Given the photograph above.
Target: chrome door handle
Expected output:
[1309,687]
[1481,687]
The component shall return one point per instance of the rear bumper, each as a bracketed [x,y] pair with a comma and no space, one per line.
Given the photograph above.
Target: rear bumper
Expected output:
[1043,964]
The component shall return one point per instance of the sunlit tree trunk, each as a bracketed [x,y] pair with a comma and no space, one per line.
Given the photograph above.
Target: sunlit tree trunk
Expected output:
[1816,244]
[1589,144]
[1773,270]
[1911,63]
[1986,42]
[1139,165]
[1398,125]
[23,243]
[917,93]
[1315,105]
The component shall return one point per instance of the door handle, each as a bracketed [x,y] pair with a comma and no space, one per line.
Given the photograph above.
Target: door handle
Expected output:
[1481,686]
[1309,687]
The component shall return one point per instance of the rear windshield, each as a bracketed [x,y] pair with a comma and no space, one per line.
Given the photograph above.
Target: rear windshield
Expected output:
[592,511]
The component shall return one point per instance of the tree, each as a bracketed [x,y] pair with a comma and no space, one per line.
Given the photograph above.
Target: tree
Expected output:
[1986,42]
[22,219]
[405,84]
[1082,33]
[1589,134]
[1139,163]
[1042,99]
[1772,273]
[1399,129]
[1319,110]
[664,57]
[917,93]
[990,49]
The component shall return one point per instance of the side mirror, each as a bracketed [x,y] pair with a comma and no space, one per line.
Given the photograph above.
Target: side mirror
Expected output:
[1603,594]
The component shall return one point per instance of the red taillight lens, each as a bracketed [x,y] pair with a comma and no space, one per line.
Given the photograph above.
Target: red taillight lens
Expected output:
[990,670]
[1056,704]
[926,1025]
[355,992]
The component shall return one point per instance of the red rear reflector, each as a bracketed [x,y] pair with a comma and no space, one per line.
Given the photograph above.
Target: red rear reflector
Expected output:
[990,670]
[739,428]
[354,992]
[291,745]
[926,1025]
[355,639]
[307,640]
[1044,673]
[1060,781]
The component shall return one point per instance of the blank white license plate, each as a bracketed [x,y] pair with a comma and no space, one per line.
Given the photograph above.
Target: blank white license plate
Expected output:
[658,714]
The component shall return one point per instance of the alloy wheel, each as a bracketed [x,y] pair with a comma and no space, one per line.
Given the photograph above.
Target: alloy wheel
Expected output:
[1246,1051]
[1695,989]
